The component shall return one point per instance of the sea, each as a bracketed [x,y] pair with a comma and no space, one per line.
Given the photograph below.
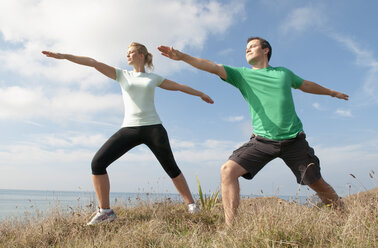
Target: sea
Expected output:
[20,204]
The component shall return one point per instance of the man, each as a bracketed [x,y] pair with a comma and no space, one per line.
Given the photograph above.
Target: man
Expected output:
[278,131]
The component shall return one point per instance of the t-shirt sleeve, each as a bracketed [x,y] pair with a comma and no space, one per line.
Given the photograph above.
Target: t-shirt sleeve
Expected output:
[120,77]
[233,75]
[296,81]
[119,74]
[158,80]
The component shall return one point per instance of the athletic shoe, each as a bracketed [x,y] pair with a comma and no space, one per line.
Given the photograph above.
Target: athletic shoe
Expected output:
[102,217]
[193,208]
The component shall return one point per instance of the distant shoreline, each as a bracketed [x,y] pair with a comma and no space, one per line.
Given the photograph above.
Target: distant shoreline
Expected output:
[18,203]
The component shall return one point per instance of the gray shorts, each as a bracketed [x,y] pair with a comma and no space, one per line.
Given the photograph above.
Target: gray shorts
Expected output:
[296,153]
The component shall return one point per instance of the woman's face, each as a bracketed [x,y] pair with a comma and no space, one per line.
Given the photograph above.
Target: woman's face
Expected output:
[134,57]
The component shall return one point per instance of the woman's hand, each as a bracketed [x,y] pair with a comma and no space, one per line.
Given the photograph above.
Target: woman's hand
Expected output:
[53,55]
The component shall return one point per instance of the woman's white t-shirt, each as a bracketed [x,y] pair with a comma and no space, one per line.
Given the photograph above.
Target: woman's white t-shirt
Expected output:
[138,91]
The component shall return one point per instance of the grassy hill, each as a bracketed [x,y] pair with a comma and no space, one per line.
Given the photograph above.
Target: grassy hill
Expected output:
[262,222]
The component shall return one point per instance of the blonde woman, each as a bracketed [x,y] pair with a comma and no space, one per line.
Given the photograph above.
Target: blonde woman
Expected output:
[141,124]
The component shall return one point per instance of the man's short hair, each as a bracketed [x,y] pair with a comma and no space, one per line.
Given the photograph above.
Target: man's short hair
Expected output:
[264,44]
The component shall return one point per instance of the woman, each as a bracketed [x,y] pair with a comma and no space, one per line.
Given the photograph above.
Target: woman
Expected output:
[141,124]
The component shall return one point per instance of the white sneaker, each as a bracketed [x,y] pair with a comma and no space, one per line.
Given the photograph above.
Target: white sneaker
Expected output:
[102,217]
[193,208]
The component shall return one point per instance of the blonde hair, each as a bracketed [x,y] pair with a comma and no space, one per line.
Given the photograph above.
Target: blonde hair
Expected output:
[143,50]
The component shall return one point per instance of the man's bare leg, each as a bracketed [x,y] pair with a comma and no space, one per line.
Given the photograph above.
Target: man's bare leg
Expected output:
[326,193]
[230,173]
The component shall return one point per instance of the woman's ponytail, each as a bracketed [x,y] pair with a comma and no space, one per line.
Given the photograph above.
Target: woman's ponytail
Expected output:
[148,61]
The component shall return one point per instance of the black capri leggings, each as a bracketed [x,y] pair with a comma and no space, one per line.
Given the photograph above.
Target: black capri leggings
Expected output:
[154,136]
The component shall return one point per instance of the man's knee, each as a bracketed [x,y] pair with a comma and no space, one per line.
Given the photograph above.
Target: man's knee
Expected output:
[322,187]
[231,170]
[225,170]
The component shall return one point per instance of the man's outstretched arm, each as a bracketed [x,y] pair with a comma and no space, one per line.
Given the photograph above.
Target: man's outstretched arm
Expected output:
[314,88]
[202,64]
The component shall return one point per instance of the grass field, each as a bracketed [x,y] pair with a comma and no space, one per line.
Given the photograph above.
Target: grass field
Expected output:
[262,222]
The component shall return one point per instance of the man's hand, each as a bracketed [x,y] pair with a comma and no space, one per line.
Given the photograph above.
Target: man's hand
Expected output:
[53,55]
[170,52]
[206,98]
[340,95]
[202,64]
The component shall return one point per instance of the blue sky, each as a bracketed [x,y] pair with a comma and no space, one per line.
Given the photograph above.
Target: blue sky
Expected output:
[55,115]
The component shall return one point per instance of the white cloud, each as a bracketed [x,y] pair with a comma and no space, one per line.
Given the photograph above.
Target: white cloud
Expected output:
[224,144]
[339,162]
[314,17]
[316,105]
[16,102]
[69,104]
[182,144]
[22,103]
[226,52]
[58,154]
[345,113]
[204,152]
[302,19]
[34,154]
[234,118]
[76,148]
[364,58]
[103,30]
[203,158]
[73,140]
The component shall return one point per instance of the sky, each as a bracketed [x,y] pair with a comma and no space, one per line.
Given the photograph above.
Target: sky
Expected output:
[55,115]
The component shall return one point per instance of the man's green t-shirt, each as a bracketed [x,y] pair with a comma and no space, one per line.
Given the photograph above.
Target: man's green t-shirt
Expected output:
[268,94]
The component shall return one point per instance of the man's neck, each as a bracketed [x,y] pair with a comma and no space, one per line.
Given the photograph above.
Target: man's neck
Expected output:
[260,65]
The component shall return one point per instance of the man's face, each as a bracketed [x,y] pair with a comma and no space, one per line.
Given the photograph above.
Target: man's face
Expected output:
[254,52]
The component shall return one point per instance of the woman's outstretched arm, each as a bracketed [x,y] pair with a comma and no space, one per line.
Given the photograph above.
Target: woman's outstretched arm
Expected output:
[105,69]
[170,85]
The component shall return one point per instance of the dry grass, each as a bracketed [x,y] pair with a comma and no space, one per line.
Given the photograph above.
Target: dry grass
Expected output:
[262,222]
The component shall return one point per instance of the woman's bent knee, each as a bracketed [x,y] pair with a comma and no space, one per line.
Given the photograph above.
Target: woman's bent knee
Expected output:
[173,173]
[97,167]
